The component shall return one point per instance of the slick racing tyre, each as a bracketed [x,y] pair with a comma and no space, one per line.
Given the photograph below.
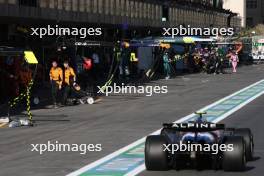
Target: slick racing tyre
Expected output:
[155,158]
[248,140]
[234,160]
[171,136]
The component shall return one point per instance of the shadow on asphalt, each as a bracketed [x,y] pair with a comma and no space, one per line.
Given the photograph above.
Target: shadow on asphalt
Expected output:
[255,158]
[247,169]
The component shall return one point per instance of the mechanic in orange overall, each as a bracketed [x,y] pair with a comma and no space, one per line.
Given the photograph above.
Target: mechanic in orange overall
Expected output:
[56,77]
[69,80]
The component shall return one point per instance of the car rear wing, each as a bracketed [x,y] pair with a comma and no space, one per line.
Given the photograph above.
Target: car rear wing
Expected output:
[194,127]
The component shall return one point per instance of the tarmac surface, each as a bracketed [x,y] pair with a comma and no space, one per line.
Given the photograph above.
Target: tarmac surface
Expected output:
[118,121]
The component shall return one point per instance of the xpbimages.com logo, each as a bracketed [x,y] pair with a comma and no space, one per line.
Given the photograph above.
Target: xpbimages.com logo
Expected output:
[59,147]
[65,31]
[123,89]
[194,31]
[193,147]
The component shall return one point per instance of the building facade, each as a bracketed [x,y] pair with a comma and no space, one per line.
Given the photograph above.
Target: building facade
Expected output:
[250,11]
[255,12]
[133,15]
[237,6]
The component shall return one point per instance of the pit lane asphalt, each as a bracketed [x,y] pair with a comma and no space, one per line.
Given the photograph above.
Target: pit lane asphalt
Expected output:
[120,120]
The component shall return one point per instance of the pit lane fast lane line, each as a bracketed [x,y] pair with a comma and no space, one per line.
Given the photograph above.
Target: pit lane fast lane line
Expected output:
[129,161]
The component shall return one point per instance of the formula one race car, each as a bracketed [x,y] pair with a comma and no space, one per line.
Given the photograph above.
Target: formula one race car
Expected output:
[199,144]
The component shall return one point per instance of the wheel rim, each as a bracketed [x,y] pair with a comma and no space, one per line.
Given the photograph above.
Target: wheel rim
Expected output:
[36,100]
[90,101]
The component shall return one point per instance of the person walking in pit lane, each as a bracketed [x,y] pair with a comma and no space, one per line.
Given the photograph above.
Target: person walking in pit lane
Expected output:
[56,77]
[69,79]
[234,59]
[166,65]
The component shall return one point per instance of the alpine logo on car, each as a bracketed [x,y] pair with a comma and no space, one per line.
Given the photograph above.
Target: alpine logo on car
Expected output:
[194,125]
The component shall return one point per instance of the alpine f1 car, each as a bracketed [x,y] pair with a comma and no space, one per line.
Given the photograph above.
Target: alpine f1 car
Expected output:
[199,143]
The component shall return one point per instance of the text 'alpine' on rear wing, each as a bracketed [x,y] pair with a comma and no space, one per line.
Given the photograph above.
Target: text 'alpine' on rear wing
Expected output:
[194,127]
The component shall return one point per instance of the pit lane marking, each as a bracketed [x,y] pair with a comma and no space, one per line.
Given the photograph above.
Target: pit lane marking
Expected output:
[133,163]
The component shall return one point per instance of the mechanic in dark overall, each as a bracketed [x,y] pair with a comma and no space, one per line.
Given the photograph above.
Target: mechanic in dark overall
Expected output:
[220,61]
[124,63]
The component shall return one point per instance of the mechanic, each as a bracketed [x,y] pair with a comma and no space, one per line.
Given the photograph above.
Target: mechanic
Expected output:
[69,77]
[56,77]
[11,70]
[220,61]
[166,65]
[197,59]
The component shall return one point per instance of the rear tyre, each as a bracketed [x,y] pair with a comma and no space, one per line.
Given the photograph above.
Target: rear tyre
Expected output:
[246,134]
[234,160]
[155,158]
